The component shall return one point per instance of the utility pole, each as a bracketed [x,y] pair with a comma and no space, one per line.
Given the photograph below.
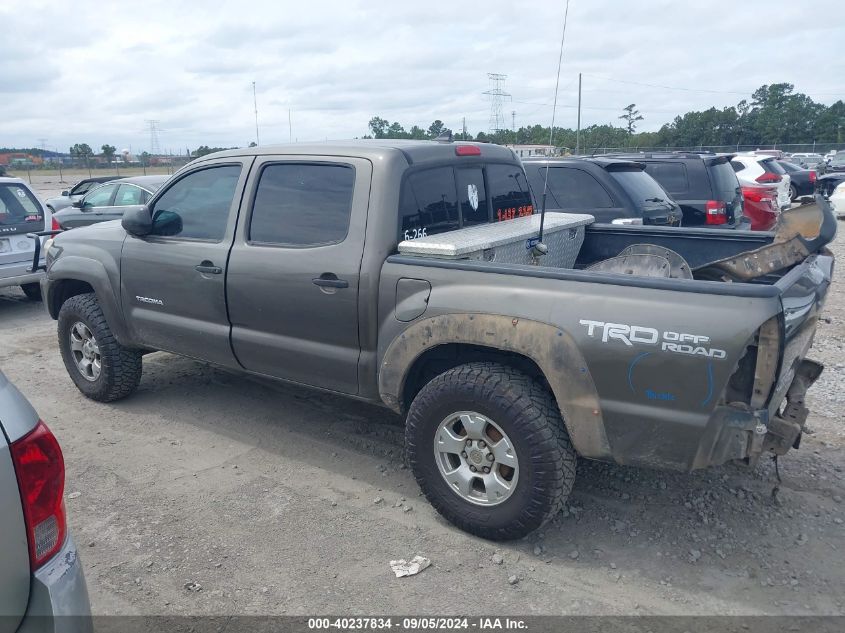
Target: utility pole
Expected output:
[290,128]
[255,105]
[463,128]
[513,121]
[578,129]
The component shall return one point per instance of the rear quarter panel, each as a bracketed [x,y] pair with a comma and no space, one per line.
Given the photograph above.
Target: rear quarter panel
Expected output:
[659,359]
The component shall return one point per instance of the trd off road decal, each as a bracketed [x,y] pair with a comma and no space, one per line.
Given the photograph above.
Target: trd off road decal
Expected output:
[676,342]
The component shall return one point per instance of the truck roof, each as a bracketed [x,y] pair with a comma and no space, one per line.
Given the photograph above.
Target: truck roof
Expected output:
[415,152]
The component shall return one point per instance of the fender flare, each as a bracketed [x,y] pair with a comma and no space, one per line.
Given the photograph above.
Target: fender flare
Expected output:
[553,350]
[92,272]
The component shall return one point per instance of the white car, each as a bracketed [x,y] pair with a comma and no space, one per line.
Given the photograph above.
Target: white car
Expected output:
[837,200]
[760,169]
[21,212]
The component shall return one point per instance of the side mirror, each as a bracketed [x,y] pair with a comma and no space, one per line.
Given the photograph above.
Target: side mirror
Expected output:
[65,193]
[138,221]
[77,204]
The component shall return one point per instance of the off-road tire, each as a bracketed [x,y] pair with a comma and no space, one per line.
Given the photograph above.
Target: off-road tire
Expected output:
[530,417]
[121,367]
[32,291]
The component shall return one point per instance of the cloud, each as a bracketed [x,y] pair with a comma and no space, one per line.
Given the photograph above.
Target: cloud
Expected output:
[94,72]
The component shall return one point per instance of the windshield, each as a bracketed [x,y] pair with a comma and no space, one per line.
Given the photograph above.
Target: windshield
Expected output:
[20,212]
[643,189]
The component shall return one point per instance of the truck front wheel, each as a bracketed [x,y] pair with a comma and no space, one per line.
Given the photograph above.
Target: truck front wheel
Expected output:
[101,368]
[490,451]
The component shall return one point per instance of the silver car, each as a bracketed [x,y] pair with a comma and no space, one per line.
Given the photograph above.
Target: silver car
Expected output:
[41,578]
[76,192]
[109,201]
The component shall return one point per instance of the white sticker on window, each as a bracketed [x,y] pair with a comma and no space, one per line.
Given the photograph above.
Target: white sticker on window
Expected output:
[21,193]
[472,194]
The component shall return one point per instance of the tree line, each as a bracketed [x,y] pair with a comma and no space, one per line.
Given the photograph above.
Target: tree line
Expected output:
[775,115]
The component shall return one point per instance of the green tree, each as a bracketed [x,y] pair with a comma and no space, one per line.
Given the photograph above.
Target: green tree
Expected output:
[81,152]
[108,152]
[145,159]
[631,116]
[396,131]
[418,133]
[378,127]
[436,128]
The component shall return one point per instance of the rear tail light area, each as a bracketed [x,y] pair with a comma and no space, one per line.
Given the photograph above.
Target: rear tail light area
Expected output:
[769,177]
[55,226]
[812,176]
[716,212]
[40,469]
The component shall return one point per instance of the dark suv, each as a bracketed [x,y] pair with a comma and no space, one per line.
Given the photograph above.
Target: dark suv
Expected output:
[611,190]
[704,184]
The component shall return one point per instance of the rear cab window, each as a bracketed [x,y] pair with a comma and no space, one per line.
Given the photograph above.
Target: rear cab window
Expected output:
[438,199]
[20,211]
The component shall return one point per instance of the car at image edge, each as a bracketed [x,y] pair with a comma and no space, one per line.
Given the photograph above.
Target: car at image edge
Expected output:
[41,578]
[21,212]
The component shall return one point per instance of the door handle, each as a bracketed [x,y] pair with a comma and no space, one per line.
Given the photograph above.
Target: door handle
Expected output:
[208,268]
[330,280]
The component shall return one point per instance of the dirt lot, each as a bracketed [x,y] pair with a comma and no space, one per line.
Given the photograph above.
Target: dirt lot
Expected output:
[280,500]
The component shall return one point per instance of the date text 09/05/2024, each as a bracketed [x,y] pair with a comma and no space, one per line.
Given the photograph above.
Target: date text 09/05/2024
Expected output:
[417,623]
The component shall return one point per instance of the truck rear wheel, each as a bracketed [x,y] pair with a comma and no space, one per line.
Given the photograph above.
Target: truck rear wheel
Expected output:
[490,451]
[101,368]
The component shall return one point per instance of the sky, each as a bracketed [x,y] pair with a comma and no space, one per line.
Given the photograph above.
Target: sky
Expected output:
[96,72]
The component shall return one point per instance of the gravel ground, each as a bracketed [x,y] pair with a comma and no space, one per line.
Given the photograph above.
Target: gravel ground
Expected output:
[211,493]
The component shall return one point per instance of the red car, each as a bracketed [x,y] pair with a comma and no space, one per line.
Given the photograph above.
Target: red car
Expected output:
[760,206]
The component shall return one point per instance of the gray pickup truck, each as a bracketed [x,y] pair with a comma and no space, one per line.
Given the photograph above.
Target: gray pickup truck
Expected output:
[330,266]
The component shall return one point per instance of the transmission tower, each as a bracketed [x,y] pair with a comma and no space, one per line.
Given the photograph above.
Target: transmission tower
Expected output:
[497,96]
[154,129]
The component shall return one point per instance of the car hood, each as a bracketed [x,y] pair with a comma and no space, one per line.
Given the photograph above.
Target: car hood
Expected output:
[100,233]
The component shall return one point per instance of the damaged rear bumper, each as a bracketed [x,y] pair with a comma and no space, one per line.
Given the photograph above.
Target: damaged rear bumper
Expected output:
[748,434]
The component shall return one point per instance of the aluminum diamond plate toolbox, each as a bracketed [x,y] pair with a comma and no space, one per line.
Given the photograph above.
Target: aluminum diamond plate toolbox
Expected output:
[508,242]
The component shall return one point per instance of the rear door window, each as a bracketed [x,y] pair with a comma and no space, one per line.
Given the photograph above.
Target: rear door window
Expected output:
[509,192]
[100,197]
[429,203]
[672,176]
[574,188]
[302,204]
[129,195]
[472,196]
